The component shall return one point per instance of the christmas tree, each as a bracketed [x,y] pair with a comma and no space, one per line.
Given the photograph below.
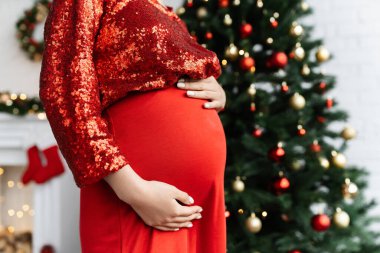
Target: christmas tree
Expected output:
[288,185]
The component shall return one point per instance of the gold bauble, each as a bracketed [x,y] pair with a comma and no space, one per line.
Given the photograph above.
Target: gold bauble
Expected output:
[299,53]
[304,6]
[338,159]
[232,52]
[227,20]
[348,133]
[296,30]
[341,218]
[297,101]
[253,224]
[202,12]
[297,164]
[305,71]
[238,185]
[324,162]
[322,54]
[349,189]
[252,90]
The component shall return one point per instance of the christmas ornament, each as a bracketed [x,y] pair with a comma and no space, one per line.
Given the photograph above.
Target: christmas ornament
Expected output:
[329,103]
[238,185]
[277,60]
[284,87]
[301,131]
[348,133]
[252,89]
[297,101]
[349,189]
[338,159]
[232,52]
[304,6]
[322,54]
[223,3]
[294,251]
[273,22]
[296,30]
[298,53]
[253,107]
[208,35]
[202,12]
[34,164]
[47,249]
[305,71]
[245,30]
[257,132]
[276,154]
[253,223]
[320,222]
[247,63]
[324,162]
[26,26]
[341,219]
[315,147]
[189,3]
[297,164]
[281,185]
[227,20]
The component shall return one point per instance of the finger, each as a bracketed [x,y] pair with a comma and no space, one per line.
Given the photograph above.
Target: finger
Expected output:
[166,228]
[202,94]
[187,224]
[213,105]
[188,210]
[186,218]
[182,196]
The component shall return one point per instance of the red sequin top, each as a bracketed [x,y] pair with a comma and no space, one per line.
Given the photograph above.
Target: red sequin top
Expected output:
[96,51]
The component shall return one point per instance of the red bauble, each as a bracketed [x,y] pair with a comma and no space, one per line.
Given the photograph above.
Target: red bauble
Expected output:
[281,185]
[276,154]
[321,119]
[301,131]
[329,103]
[315,147]
[208,35]
[257,132]
[246,63]
[189,4]
[223,3]
[295,251]
[274,23]
[277,60]
[47,249]
[284,88]
[320,222]
[322,86]
[245,30]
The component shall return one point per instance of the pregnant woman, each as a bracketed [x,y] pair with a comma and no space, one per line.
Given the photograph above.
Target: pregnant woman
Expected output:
[148,157]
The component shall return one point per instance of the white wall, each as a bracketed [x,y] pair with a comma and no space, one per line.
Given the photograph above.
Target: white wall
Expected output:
[351,32]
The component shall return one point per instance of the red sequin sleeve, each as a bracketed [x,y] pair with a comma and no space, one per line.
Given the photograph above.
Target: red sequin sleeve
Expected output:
[69,91]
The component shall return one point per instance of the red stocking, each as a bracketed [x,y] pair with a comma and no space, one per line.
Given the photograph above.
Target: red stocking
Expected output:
[34,165]
[53,167]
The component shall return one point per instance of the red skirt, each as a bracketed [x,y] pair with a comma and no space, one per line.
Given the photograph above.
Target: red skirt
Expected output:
[166,136]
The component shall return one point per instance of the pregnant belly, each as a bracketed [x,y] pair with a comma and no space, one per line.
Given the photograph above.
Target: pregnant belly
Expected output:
[170,137]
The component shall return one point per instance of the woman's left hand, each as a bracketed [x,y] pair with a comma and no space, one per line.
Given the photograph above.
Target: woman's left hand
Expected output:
[207,88]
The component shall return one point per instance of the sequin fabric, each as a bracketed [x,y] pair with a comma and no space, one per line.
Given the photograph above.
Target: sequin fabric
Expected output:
[96,52]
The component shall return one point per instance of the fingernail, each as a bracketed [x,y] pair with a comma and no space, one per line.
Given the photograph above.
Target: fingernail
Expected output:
[190,225]
[207,105]
[191,200]
[200,210]
[176,229]
[199,216]
[190,93]
[180,85]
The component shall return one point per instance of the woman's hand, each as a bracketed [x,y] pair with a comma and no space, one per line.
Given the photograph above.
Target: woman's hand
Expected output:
[154,201]
[207,88]
[158,207]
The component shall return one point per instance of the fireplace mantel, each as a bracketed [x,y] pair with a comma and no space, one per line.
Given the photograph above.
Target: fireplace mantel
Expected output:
[56,202]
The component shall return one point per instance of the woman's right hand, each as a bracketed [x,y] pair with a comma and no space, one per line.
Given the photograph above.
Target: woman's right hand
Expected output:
[154,201]
[157,206]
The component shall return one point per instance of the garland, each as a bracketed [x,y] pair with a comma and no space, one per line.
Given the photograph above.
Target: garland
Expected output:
[26,26]
[20,104]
